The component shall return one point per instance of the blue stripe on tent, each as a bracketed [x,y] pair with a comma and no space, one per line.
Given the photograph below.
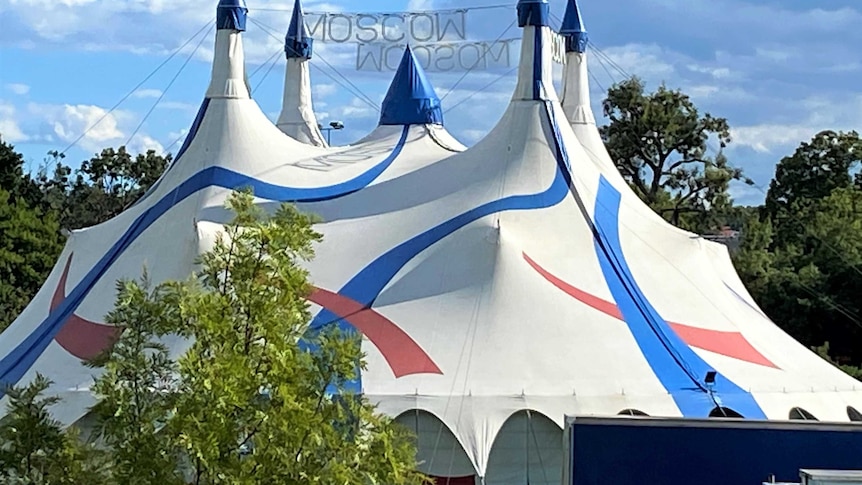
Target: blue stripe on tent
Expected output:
[538,60]
[16,363]
[368,283]
[676,365]
[193,132]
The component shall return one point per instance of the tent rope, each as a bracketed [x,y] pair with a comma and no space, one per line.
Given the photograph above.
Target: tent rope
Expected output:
[272,61]
[480,59]
[480,90]
[352,89]
[137,86]
[167,88]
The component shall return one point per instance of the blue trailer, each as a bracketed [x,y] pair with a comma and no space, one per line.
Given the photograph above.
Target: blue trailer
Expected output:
[677,451]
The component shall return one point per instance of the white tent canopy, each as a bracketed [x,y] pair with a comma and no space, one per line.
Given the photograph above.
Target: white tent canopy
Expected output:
[499,287]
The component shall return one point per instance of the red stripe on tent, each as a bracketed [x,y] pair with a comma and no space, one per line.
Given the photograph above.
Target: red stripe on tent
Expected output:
[403,354]
[603,306]
[730,344]
[85,339]
[82,338]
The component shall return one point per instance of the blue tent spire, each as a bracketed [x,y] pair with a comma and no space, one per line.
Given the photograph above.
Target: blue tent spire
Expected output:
[297,43]
[573,29]
[534,12]
[411,99]
[231,15]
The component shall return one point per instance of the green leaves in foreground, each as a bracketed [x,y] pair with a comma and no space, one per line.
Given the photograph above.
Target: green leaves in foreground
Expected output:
[35,450]
[246,403]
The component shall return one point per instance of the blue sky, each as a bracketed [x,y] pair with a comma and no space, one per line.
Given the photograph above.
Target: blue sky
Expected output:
[779,71]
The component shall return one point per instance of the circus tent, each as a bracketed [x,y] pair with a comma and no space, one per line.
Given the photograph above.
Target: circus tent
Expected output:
[500,287]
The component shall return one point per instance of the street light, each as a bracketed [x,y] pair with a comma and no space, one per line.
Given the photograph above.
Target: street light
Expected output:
[333,125]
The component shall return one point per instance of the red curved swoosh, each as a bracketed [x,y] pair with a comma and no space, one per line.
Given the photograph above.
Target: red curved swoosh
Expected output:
[85,339]
[730,344]
[82,338]
[403,354]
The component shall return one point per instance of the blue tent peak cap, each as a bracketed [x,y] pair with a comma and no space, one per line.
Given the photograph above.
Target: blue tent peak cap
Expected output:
[534,12]
[573,29]
[411,99]
[297,43]
[231,15]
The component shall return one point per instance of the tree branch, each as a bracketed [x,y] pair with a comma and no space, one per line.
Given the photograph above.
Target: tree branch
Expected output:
[316,411]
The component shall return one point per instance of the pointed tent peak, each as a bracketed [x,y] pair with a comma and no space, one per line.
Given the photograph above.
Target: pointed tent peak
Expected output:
[297,43]
[534,12]
[573,29]
[231,15]
[411,99]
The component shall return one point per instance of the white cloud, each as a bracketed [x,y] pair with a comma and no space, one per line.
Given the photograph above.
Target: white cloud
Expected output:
[321,90]
[420,5]
[97,125]
[97,128]
[142,143]
[650,62]
[766,137]
[356,109]
[147,93]
[178,105]
[9,128]
[714,72]
[844,113]
[18,88]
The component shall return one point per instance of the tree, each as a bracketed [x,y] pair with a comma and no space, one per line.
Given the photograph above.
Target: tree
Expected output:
[101,188]
[137,390]
[801,257]
[12,177]
[815,170]
[35,450]
[659,142]
[852,371]
[256,394]
[30,242]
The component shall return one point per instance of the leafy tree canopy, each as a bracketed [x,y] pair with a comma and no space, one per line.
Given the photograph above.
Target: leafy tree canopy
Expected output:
[35,450]
[30,241]
[256,394]
[101,188]
[660,143]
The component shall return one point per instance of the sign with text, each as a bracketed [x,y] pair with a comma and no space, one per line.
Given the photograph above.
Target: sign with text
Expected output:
[439,40]
[398,27]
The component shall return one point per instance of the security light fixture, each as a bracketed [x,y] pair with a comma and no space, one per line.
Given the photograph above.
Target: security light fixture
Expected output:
[333,125]
[710,377]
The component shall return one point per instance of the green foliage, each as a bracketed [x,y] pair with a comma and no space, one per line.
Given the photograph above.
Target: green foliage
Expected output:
[101,188]
[33,211]
[814,170]
[249,401]
[852,371]
[34,449]
[802,255]
[137,389]
[13,179]
[659,142]
[30,242]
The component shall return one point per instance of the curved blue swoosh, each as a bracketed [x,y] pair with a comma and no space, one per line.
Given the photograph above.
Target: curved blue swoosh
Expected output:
[21,358]
[674,363]
[370,281]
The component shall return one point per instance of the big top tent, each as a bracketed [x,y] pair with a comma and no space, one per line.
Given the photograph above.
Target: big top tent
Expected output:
[498,288]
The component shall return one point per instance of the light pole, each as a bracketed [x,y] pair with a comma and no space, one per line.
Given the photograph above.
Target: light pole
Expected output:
[333,125]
